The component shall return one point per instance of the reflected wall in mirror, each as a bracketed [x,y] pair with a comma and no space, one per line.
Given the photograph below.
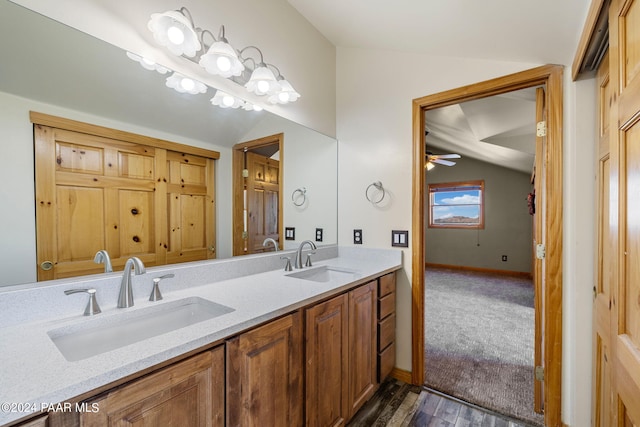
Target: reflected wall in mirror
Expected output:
[53,69]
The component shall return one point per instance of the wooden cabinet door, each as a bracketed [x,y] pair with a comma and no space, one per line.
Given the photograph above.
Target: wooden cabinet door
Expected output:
[264,375]
[39,422]
[190,393]
[327,368]
[362,345]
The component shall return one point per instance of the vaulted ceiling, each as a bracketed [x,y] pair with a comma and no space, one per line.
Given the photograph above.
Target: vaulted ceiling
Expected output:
[500,129]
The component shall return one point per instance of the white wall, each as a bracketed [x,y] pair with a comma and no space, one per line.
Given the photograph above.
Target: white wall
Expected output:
[17,224]
[374,127]
[311,162]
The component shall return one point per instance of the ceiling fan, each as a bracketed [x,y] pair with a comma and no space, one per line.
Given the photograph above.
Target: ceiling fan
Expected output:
[433,159]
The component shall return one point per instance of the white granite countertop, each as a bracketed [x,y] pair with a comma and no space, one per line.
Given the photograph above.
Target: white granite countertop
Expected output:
[34,373]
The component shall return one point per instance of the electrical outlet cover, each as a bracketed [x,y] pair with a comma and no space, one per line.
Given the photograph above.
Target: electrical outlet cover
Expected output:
[357,237]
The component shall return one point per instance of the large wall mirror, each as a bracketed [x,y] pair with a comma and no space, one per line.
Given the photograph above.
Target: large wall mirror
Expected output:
[53,69]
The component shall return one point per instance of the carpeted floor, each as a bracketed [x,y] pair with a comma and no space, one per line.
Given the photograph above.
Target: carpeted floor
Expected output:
[480,340]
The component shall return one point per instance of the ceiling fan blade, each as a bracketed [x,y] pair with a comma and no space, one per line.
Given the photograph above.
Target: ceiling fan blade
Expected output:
[446,156]
[443,162]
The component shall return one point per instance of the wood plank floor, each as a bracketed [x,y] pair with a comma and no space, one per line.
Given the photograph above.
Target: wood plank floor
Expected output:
[400,404]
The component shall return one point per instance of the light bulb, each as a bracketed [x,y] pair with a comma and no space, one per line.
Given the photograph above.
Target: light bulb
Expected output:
[223,63]
[263,87]
[175,35]
[228,100]
[187,84]
[284,97]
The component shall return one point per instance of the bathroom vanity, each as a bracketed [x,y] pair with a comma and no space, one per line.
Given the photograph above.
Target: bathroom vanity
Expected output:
[233,342]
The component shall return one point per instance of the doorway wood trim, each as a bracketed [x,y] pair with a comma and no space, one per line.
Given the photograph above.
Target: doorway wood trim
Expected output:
[551,77]
[238,183]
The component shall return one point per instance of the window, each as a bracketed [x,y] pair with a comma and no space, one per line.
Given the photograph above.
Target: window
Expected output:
[456,205]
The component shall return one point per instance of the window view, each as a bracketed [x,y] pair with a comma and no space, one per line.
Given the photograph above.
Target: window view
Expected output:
[456,205]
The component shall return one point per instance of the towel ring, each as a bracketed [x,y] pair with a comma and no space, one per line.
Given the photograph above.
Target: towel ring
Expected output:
[379,187]
[299,193]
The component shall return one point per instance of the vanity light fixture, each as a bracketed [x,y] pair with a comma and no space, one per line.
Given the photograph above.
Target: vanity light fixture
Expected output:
[224,100]
[176,31]
[286,94]
[148,64]
[221,59]
[251,107]
[184,84]
[262,80]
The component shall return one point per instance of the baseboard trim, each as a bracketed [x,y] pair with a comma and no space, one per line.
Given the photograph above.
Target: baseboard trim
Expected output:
[402,375]
[481,270]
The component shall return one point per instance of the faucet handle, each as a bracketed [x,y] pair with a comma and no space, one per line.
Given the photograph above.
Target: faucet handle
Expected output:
[308,261]
[155,292]
[92,306]
[287,267]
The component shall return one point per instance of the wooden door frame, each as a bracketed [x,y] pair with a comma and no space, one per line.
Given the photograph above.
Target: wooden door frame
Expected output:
[551,77]
[238,184]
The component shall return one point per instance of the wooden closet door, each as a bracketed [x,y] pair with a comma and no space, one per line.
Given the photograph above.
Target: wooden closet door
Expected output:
[602,290]
[93,193]
[191,213]
[624,53]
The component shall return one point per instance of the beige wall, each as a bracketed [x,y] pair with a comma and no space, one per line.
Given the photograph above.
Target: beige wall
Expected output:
[507,224]
[374,127]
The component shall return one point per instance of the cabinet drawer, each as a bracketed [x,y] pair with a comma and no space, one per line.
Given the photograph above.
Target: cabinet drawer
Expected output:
[386,331]
[387,284]
[386,305]
[386,361]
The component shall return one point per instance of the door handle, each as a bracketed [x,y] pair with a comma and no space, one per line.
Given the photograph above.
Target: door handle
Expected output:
[46,265]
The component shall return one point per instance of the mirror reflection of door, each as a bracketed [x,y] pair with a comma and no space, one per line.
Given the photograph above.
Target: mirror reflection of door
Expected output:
[257,212]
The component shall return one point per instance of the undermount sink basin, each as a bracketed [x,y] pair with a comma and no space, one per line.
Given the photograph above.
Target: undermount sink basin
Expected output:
[100,336]
[325,273]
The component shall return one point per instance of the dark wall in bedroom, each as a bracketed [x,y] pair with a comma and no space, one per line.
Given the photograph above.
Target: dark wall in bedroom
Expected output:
[508,225]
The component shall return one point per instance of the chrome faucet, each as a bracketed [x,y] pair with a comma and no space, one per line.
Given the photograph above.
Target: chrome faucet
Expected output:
[125,299]
[299,252]
[270,240]
[103,257]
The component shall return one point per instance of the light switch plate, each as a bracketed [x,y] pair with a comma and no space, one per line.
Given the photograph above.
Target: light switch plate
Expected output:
[289,233]
[400,238]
